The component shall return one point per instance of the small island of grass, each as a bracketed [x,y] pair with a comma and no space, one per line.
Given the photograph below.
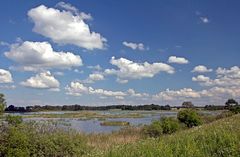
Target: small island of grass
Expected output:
[115,123]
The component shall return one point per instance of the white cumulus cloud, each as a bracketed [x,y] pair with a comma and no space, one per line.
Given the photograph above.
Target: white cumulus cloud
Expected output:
[77,89]
[134,46]
[93,78]
[225,78]
[177,94]
[177,60]
[74,10]
[201,78]
[128,69]
[96,77]
[32,56]
[43,80]
[201,69]
[5,76]
[64,27]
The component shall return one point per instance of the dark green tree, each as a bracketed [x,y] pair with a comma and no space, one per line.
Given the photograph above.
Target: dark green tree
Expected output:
[189,117]
[231,102]
[187,104]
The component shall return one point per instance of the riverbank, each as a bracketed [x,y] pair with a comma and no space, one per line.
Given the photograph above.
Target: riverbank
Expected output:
[211,139]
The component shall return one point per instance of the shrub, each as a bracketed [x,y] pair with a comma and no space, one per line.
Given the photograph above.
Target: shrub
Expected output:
[224,114]
[189,117]
[235,109]
[169,125]
[40,140]
[14,120]
[154,129]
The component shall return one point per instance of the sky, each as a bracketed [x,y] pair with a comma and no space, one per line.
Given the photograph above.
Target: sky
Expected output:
[119,52]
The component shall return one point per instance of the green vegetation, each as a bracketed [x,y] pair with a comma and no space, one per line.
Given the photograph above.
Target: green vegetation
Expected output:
[2,103]
[189,117]
[231,102]
[220,138]
[114,123]
[25,140]
[14,120]
[154,129]
[86,115]
[164,126]
[169,125]
[167,137]
[235,109]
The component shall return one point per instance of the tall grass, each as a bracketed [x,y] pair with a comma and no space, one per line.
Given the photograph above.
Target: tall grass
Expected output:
[218,139]
[24,140]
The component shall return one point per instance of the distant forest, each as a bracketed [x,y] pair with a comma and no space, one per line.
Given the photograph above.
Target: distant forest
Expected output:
[76,107]
[187,104]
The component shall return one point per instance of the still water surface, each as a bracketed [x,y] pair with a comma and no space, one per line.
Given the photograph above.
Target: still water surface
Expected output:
[93,125]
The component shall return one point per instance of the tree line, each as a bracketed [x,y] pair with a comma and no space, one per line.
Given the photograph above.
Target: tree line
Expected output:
[230,104]
[76,107]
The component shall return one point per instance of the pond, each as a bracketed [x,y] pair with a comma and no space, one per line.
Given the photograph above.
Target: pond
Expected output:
[92,124]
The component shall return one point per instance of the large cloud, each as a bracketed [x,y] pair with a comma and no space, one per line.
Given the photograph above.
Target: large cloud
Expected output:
[40,55]
[177,60]
[217,91]
[215,95]
[64,27]
[43,80]
[225,78]
[132,70]
[5,76]
[77,89]
[177,94]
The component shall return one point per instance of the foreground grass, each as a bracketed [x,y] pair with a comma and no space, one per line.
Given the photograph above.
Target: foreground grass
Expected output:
[218,139]
[34,139]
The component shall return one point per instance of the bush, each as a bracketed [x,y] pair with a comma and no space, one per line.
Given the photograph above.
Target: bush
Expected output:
[169,125]
[224,114]
[189,117]
[1,108]
[14,120]
[235,109]
[40,140]
[154,129]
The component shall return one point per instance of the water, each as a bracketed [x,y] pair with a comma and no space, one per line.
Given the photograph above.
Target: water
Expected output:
[93,125]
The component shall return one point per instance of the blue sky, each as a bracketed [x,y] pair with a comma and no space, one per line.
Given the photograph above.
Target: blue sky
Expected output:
[119,52]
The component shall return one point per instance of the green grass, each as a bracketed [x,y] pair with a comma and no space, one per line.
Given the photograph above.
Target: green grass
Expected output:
[218,139]
[115,123]
[25,140]
[85,115]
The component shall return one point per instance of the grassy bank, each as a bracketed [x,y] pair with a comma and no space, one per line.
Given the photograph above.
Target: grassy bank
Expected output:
[218,139]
